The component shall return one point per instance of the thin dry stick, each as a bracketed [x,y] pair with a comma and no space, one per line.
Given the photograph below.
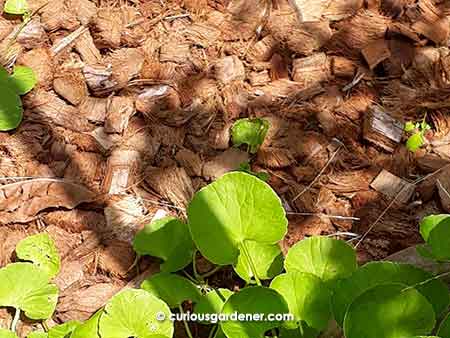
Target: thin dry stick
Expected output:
[392,203]
[319,174]
[443,188]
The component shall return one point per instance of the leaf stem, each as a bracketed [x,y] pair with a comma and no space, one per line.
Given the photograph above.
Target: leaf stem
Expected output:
[186,325]
[213,331]
[250,262]
[210,273]
[15,319]
[197,276]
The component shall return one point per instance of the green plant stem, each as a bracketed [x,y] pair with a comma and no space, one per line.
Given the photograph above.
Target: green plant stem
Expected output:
[250,262]
[210,273]
[192,279]
[45,326]
[186,325]
[213,331]
[15,320]
[197,276]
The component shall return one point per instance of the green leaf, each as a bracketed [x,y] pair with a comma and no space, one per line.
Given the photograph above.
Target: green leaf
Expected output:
[27,287]
[424,250]
[237,207]
[63,330]
[212,302]
[252,300]
[307,333]
[168,239]
[308,298]
[171,288]
[439,240]
[89,329]
[245,167]
[16,7]
[409,126]
[7,334]
[428,223]
[389,311]
[249,131]
[444,327]
[132,313]
[268,260]
[11,112]
[377,273]
[414,142]
[23,79]
[327,258]
[41,250]
[38,334]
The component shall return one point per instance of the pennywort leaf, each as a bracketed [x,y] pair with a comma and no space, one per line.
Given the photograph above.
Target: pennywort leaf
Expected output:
[171,288]
[253,300]
[16,7]
[41,250]
[132,313]
[168,239]
[10,108]
[89,329]
[428,223]
[308,298]
[7,334]
[414,142]
[235,209]
[249,131]
[63,330]
[444,328]
[327,258]
[389,311]
[212,302]
[23,79]
[26,287]
[409,126]
[438,240]
[37,334]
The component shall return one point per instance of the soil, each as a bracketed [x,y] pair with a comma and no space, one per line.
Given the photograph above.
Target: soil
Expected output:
[133,109]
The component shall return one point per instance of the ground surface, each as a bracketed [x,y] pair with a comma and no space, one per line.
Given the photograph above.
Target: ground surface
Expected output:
[135,101]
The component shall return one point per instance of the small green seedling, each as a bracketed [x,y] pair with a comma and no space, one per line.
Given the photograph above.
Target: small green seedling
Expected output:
[12,86]
[417,132]
[16,7]
[249,131]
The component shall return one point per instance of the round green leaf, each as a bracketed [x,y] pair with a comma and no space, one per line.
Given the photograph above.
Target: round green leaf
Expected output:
[377,273]
[7,334]
[132,313]
[11,112]
[252,300]
[389,311]
[27,287]
[327,258]
[308,298]
[237,207]
[409,126]
[171,288]
[41,250]
[23,79]
[212,302]
[268,260]
[249,131]
[444,327]
[89,329]
[424,250]
[63,330]
[428,223]
[38,334]
[439,240]
[414,142]
[16,7]
[168,239]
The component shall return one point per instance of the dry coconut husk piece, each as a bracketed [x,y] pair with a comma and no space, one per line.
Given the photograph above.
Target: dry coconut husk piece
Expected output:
[311,70]
[85,46]
[122,168]
[99,79]
[32,35]
[118,113]
[227,161]
[40,60]
[190,161]
[70,84]
[106,28]
[94,109]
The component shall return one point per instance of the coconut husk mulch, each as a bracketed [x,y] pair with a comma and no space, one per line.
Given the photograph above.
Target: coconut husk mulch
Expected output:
[135,100]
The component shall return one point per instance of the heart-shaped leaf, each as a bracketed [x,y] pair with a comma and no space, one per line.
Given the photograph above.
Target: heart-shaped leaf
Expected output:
[389,311]
[7,334]
[41,250]
[308,298]
[444,327]
[212,302]
[438,240]
[327,258]
[89,329]
[268,260]
[249,131]
[132,313]
[166,238]
[253,300]
[16,7]
[63,330]
[232,210]
[11,112]
[26,287]
[23,79]
[377,273]
[171,288]
[414,142]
